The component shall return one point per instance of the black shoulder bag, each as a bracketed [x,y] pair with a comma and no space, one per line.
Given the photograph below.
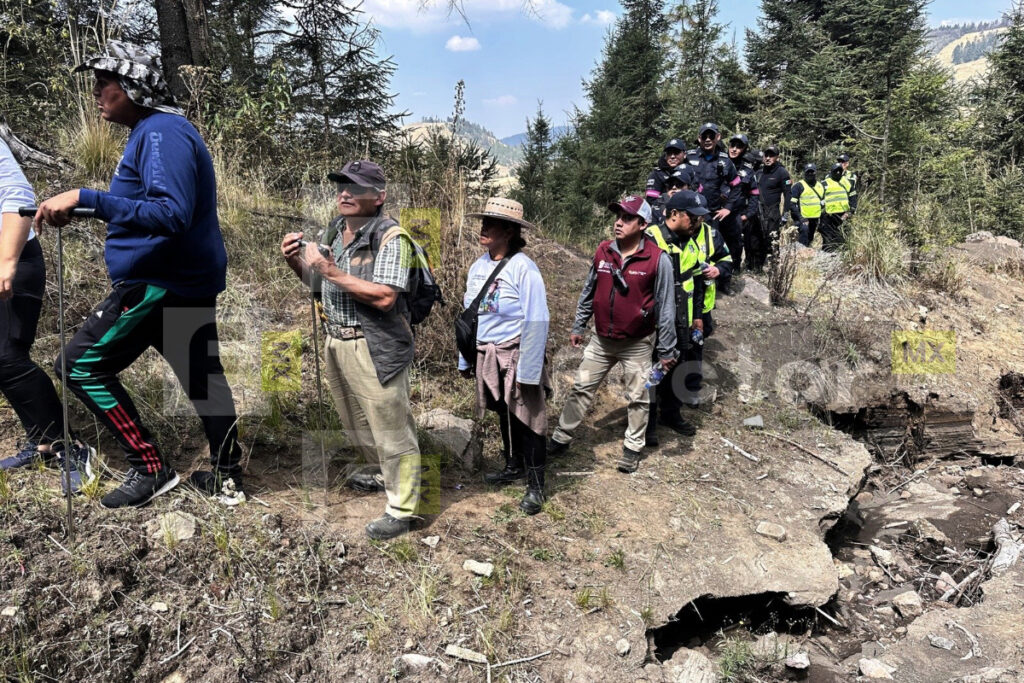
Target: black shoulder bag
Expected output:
[466,322]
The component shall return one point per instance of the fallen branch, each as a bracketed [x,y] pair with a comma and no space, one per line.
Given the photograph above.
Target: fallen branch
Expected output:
[975,650]
[26,154]
[574,474]
[825,614]
[739,450]
[959,589]
[521,660]
[809,452]
[180,650]
[1007,550]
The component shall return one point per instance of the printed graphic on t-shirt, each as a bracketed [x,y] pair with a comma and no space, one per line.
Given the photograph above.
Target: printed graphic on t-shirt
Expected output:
[489,304]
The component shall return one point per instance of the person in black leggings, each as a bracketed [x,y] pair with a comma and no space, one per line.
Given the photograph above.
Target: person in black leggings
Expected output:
[23,383]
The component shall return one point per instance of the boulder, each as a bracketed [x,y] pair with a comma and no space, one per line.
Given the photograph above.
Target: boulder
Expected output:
[453,437]
[909,604]
[690,666]
[872,668]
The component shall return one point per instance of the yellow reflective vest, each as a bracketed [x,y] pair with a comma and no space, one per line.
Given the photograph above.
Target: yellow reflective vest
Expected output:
[837,196]
[705,241]
[688,257]
[811,199]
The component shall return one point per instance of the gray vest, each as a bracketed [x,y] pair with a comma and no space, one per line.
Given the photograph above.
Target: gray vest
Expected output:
[388,333]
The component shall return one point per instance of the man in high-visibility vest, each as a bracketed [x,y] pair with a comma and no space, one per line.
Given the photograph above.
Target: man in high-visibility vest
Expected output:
[837,209]
[807,201]
[684,213]
[851,177]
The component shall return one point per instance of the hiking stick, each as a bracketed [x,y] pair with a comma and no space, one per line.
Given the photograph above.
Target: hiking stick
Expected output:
[30,211]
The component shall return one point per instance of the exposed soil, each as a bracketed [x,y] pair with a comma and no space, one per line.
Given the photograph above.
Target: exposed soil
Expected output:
[287,588]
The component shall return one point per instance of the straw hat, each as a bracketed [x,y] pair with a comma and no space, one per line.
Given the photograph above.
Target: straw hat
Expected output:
[502,209]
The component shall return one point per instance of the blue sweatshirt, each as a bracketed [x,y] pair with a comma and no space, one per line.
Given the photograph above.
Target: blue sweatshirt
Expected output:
[161,211]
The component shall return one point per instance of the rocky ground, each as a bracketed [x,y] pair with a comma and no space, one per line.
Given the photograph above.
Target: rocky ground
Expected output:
[829,521]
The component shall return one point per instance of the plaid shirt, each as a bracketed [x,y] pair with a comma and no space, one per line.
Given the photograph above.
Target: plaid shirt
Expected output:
[390,267]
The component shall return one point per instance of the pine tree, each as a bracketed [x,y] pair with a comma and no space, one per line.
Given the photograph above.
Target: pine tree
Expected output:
[1001,97]
[533,172]
[619,133]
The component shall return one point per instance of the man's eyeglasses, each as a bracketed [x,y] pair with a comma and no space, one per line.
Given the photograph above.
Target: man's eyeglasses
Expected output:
[708,135]
[355,190]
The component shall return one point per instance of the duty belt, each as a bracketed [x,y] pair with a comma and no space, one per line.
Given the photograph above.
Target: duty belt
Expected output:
[343,332]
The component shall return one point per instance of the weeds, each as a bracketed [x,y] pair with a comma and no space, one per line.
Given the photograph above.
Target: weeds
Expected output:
[505,513]
[616,559]
[647,616]
[401,551]
[6,492]
[736,659]
[583,598]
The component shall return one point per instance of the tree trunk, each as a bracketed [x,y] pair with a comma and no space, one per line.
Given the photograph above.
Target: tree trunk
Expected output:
[198,31]
[24,153]
[175,46]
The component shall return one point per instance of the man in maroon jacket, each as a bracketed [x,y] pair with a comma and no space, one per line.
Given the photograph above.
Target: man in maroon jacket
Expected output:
[629,295]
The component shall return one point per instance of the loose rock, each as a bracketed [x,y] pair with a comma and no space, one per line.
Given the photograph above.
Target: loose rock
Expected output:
[415,662]
[755,422]
[872,668]
[771,530]
[940,642]
[883,558]
[478,568]
[928,532]
[800,661]
[455,437]
[9,611]
[172,526]
[159,607]
[909,604]
[690,666]
[622,647]
[431,541]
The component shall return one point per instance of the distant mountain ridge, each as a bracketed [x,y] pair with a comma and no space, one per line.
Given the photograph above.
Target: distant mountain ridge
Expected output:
[507,155]
[964,48]
[518,139]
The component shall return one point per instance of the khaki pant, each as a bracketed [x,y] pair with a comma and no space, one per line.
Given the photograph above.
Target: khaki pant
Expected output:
[378,419]
[600,356]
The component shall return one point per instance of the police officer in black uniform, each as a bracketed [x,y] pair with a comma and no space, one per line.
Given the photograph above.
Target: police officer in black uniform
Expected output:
[733,228]
[716,178]
[679,179]
[675,154]
[773,186]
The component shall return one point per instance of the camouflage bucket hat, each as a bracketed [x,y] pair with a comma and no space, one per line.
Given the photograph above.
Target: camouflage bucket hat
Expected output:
[139,73]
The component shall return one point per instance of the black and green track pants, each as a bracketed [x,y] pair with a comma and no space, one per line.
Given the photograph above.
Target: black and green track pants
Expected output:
[183,330]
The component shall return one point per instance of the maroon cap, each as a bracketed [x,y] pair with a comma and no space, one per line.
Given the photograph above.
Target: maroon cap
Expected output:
[634,205]
[363,173]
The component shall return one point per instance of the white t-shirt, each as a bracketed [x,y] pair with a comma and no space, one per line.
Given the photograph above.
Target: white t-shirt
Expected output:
[515,306]
[15,190]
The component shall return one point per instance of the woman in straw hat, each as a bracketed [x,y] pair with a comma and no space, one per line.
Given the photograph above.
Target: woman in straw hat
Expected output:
[511,377]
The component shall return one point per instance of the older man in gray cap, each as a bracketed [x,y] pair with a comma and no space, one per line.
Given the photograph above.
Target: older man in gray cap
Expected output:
[369,338]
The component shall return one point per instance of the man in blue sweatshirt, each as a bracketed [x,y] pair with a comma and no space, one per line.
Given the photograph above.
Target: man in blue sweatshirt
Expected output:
[167,263]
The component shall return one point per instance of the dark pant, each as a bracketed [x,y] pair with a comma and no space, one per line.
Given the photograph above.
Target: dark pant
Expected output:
[23,383]
[807,229]
[831,228]
[520,446]
[768,224]
[732,232]
[183,330]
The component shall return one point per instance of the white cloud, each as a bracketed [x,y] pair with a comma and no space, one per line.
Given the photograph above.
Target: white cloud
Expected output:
[432,15]
[501,101]
[460,44]
[602,17]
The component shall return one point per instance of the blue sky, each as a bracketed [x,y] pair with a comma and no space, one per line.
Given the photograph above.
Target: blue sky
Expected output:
[510,57]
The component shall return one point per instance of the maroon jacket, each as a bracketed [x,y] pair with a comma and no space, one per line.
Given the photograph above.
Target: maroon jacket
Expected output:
[626,314]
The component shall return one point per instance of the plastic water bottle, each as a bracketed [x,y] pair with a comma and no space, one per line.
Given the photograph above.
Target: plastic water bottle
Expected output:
[657,374]
[697,337]
[704,265]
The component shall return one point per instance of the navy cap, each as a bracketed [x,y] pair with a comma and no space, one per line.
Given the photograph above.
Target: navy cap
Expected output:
[688,201]
[675,143]
[771,151]
[706,127]
[810,168]
[363,173]
[677,178]
[837,167]
[843,157]
[742,138]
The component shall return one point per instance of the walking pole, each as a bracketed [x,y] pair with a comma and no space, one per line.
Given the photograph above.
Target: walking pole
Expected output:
[319,389]
[30,211]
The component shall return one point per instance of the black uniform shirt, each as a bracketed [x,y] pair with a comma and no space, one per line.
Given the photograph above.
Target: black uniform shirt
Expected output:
[773,184]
